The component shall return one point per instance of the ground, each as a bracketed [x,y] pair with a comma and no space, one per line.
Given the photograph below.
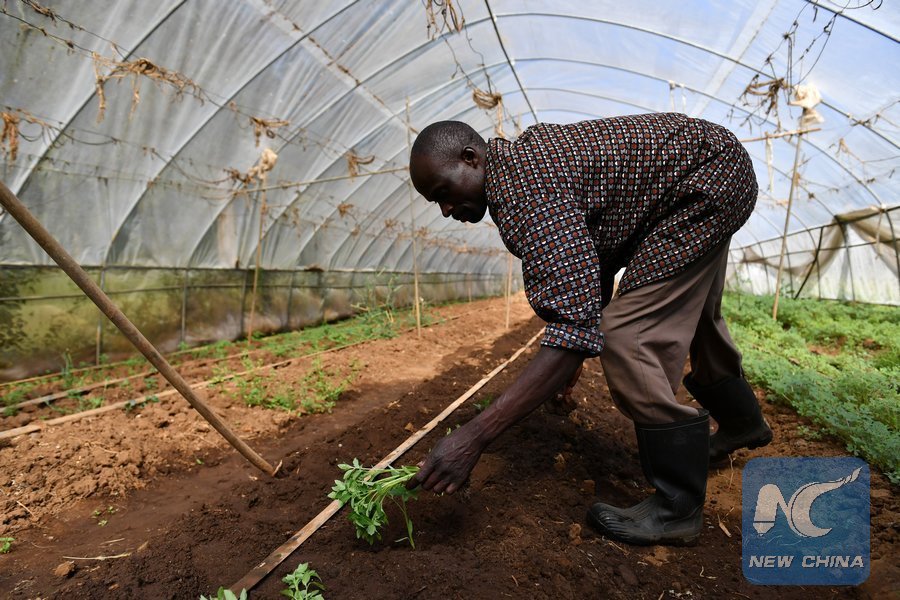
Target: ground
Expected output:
[151,503]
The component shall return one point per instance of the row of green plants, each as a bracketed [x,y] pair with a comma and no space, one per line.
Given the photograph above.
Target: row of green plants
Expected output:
[316,392]
[381,322]
[836,363]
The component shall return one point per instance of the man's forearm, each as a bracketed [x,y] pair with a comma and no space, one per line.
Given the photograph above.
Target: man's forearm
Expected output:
[547,372]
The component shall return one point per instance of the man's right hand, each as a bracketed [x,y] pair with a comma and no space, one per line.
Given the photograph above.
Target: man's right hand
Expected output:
[448,466]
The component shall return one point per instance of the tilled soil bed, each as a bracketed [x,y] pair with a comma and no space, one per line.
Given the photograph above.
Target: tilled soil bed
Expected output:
[189,515]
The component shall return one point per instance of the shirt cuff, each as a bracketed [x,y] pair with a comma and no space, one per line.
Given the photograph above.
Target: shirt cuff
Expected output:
[572,337]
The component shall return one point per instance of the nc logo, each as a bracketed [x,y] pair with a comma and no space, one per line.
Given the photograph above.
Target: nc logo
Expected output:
[797,509]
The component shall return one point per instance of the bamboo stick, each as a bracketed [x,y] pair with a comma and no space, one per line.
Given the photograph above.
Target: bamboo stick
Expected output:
[412,224]
[787,217]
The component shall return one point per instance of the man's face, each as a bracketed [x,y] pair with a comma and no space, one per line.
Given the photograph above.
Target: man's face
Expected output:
[457,185]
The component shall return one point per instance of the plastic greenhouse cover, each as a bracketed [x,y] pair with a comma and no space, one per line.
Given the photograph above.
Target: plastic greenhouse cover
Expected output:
[155,170]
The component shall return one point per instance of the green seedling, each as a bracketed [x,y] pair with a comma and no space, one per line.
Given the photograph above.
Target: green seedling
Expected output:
[225,594]
[303,584]
[132,404]
[366,489]
[482,404]
[6,544]
[89,403]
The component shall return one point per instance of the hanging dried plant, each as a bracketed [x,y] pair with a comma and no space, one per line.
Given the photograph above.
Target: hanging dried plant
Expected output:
[451,19]
[9,139]
[140,67]
[354,160]
[266,127]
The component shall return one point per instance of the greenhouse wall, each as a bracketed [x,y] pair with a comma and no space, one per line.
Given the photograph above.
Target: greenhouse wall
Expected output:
[855,258]
[46,323]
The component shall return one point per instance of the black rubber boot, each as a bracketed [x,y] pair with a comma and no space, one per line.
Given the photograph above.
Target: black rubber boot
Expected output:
[733,405]
[674,458]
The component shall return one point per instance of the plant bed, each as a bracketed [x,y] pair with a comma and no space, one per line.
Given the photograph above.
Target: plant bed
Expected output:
[516,530]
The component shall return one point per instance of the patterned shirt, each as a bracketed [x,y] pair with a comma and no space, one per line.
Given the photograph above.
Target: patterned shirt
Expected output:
[650,193]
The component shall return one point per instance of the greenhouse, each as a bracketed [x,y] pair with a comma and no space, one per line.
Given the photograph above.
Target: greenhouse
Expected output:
[225,304]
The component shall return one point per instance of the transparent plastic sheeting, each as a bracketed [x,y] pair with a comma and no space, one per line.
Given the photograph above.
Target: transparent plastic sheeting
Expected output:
[131,128]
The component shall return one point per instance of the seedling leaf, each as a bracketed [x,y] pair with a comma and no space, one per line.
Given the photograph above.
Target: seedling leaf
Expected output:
[366,489]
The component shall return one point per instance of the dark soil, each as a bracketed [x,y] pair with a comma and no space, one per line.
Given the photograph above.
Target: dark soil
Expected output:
[517,530]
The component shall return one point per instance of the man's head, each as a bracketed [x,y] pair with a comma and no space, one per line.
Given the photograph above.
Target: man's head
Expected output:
[447,167]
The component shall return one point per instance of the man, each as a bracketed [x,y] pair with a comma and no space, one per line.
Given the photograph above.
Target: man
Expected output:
[659,195]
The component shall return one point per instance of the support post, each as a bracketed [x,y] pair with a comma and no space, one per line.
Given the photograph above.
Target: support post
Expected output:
[37,231]
[184,293]
[412,224]
[787,218]
[261,197]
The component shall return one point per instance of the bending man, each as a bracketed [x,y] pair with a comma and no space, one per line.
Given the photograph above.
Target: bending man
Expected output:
[659,195]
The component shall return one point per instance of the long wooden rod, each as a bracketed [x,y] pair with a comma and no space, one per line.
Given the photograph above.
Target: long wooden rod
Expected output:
[412,226]
[278,556]
[795,177]
[65,261]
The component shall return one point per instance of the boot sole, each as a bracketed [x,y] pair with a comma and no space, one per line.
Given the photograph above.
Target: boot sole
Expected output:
[759,442]
[678,541]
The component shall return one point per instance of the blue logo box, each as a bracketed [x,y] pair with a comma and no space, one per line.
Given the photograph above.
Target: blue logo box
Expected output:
[805,521]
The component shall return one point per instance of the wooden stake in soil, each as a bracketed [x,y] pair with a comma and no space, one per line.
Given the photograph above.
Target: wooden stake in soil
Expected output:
[261,171]
[412,224]
[261,570]
[37,231]
[795,177]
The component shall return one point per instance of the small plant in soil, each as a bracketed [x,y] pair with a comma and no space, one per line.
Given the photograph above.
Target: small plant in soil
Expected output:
[303,584]
[365,490]
[6,544]
[225,594]
[482,404]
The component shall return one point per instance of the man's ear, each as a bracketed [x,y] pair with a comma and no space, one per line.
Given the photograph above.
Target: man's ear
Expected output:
[470,156]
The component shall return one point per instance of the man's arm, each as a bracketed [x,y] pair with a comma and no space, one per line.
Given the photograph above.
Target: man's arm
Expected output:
[453,458]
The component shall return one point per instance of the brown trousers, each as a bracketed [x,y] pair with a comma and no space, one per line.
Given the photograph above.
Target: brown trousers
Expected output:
[651,331]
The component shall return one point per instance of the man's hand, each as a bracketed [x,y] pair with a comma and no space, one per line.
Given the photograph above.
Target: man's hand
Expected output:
[448,466]
[563,403]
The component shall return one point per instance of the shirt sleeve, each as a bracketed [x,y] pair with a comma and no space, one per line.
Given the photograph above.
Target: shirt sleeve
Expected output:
[561,272]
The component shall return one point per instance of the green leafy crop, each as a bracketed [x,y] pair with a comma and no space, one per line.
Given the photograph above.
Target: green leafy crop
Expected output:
[6,544]
[366,489]
[226,594]
[303,584]
[836,363]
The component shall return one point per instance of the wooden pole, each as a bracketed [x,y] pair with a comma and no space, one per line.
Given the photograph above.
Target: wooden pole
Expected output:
[787,217]
[412,224]
[772,136]
[37,231]
[262,216]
